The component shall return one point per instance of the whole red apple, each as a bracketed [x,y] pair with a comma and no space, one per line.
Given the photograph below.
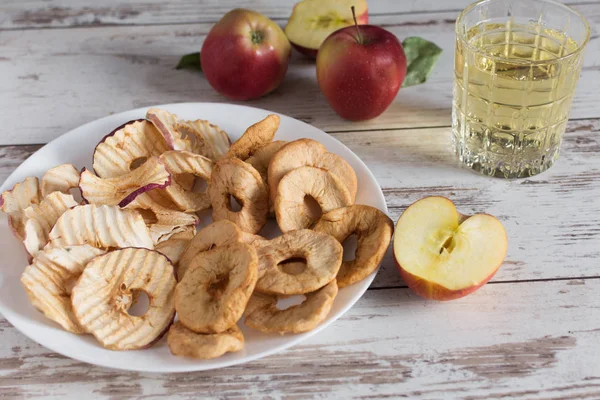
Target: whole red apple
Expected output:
[360,70]
[245,55]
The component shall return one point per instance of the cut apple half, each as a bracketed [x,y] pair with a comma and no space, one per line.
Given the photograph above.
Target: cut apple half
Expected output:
[313,20]
[444,255]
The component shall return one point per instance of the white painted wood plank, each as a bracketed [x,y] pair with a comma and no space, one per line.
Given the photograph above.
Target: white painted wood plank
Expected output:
[528,340]
[63,13]
[552,219]
[55,80]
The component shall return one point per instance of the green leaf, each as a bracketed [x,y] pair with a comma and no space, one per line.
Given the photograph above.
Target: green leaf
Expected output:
[190,61]
[421,57]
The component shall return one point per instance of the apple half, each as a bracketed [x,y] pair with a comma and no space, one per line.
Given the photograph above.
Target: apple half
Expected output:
[313,20]
[444,255]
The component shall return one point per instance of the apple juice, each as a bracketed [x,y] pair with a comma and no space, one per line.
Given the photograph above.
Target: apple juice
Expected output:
[513,86]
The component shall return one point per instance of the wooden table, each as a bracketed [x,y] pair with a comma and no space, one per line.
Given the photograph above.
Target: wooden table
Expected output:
[532,332]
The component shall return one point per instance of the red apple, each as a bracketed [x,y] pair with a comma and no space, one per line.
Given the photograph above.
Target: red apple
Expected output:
[245,55]
[444,255]
[360,70]
[313,20]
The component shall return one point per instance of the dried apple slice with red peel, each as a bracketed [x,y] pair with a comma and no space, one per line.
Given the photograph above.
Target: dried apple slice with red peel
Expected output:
[40,218]
[199,136]
[123,189]
[14,201]
[443,255]
[61,178]
[104,227]
[126,147]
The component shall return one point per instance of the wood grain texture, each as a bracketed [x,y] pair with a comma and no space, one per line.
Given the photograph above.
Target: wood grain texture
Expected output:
[59,75]
[21,14]
[552,220]
[502,342]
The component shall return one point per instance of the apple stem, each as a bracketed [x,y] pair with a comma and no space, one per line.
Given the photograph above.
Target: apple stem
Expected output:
[360,40]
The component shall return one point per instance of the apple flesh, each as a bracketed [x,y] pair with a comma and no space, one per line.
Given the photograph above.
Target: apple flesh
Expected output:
[245,55]
[444,255]
[312,21]
[360,70]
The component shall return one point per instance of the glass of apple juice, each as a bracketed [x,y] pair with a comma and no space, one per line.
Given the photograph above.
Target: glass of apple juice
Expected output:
[515,70]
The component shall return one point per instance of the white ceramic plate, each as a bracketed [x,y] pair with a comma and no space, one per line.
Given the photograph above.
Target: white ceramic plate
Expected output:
[76,147]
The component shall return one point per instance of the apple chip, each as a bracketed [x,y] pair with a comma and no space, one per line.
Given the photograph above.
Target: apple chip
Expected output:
[217,234]
[107,288]
[183,163]
[323,255]
[105,227]
[234,178]
[61,178]
[40,218]
[373,230]
[123,189]
[255,137]
[14,201]
[214,291]
[262,157]
[185,342]
[49,279]
[126,148]
[264,315]
[291,209]
[174,246]
[199,136]
[311,153]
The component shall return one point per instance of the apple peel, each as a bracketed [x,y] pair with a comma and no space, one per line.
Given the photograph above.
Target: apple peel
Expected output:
[373,230]
[107,288]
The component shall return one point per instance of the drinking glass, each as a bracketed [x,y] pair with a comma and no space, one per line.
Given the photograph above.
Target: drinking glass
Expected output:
[516,67]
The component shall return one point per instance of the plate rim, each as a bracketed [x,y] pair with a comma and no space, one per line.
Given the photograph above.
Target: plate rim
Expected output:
[12,316]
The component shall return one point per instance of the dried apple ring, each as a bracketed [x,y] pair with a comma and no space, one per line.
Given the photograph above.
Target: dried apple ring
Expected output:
[262,157]
[106,289]
[214,291]
[373,230]
[127,146]
[291,209]
[311,153]
[42,217]
[104,227]
[14,201]
[217,234]
[185,342]
[122,190]
[49,279]
[174,246]
[233,177]
[264,315]
[255,137]
[61,178]
[323,255]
